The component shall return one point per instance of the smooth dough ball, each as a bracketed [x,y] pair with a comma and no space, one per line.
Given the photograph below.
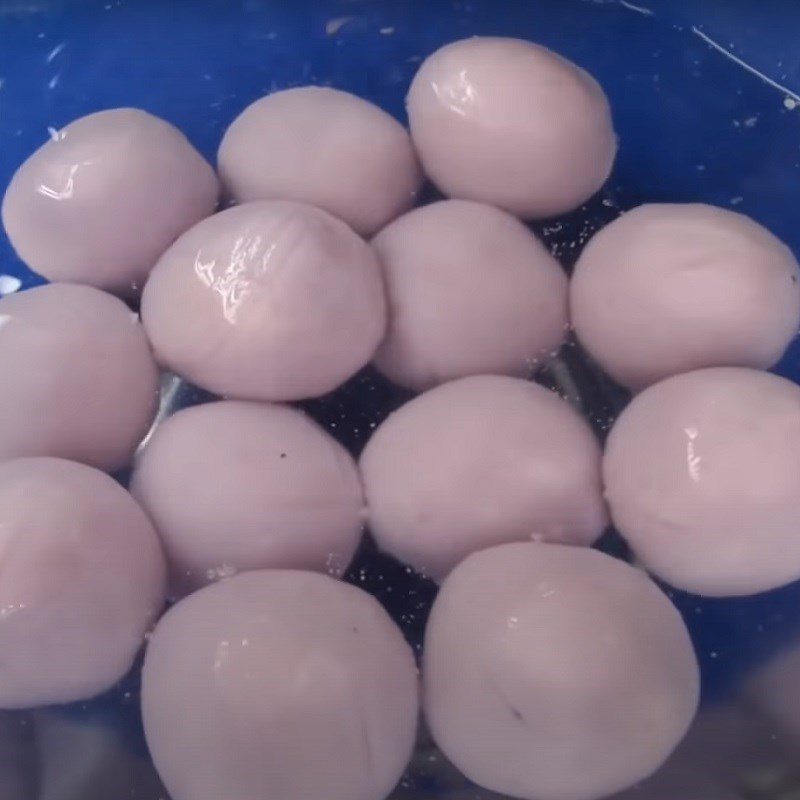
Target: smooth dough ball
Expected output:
[556,673]
[321,146]
[669,288]
[702,475]
[471,290]
[478,462]
[101,200]
[279,685]
[234,486]
[82,578]
[81,382]
[510,123]
[266,301]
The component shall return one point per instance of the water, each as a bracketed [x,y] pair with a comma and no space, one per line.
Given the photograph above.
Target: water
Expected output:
[698,119]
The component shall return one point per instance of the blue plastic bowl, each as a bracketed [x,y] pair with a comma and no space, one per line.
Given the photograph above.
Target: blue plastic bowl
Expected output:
[704,104]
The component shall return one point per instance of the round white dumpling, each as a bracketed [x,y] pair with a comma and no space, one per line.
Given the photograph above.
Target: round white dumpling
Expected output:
[279,685]
[668,288]
[325,147]
[556,673]
[80,380]
[266,301]
[510,123]
[101,200]
[471,290]
[477,462]
[702,476]
[234,486]
[82,578]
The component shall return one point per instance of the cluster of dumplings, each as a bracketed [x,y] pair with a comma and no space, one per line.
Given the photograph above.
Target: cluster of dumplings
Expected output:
[550,670]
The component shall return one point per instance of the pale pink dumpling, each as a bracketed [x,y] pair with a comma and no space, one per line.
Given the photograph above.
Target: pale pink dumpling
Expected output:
[266,301]
[702,476]
[471,290]
[80,380]
[234,486]
[101,200]
[556,673]
[510,123]
[82,578]
[279,685]
[668,288]
[325,147]
[477,462]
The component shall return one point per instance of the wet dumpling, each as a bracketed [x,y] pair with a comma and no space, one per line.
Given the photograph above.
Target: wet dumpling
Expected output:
[477,462]
[82,578]
[234,486]
[510,123]
[325,147]
[702,476]
[266,301]
[81,382]
[668,288]
[471,290]
[556,673]
[100,201]
[279,685]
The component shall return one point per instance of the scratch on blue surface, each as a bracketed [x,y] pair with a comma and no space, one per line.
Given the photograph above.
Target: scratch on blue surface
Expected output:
[333,26]
[648,12]
[788,93]
[55,51]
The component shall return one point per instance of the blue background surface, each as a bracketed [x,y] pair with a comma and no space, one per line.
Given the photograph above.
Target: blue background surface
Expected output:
[693,125]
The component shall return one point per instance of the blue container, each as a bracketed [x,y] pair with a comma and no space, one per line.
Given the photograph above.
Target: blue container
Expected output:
[706,100]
